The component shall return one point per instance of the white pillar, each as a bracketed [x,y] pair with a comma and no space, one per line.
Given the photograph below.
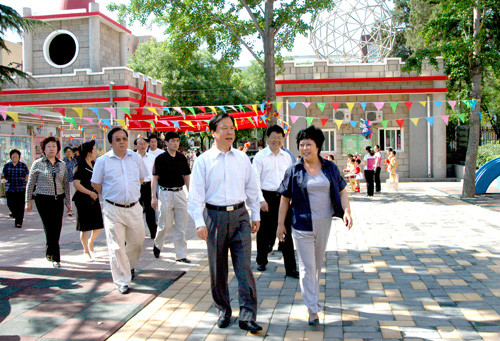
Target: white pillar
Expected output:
[27,45]
[94,39]
[439,134]
[123,49]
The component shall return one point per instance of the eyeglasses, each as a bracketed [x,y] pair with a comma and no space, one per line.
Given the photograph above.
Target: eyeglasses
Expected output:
[118,139]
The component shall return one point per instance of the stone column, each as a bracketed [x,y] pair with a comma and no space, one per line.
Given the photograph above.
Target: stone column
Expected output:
[27,45]
[439,134]
[418,139]
[123,49]
[94,39]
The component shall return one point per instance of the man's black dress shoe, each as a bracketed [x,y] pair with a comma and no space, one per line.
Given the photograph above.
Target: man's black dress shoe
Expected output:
[251,326]
[294,274]
[223,321]
[261,267]
[156,251]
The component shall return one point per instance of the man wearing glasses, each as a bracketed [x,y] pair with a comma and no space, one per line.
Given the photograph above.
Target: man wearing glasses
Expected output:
[118,176]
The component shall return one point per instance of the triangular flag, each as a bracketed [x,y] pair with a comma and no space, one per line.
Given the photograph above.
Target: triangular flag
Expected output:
[430,120]
[4,115]
[178,109]
[88,119]
[153,110]
[30,109]
[335,105]
[122,123]
[480,117]
[408,105]
[139,111]
[79,111]
[294,119]
[424,103]
[189,123]
[379,105]
[167,109]
[262,107]
[70,120]
[350,106]
[394,105]
[176,124]
[236,124]
[292,104]
[232,107]
[112,111]
[437,103]
[126,111]
[62,111]
[445,118]
[363,105]
[467,103]
[106,122]
[240,107]
[473,103]
[321,106]
[452,104]
[13,115]
[400,123]
[339,123]
[251,121]
[384,123]
[254,107]
[306,104]
[249,106]
[323,121]
[202,109]
[221,108]
[37,116]
[462,117]
[95,110]
[191,109]
[278,105]
[415,121]
[353,123]
[309,120]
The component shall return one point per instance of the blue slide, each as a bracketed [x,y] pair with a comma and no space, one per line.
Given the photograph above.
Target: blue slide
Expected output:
[486,175]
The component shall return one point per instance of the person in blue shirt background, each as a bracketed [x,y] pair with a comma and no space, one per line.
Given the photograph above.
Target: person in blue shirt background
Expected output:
[16,173]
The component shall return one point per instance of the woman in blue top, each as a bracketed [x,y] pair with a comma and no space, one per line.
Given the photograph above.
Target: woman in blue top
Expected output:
[315,190]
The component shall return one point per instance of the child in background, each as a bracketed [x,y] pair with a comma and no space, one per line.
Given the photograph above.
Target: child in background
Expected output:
[391,168]
[359,175]
[349,172]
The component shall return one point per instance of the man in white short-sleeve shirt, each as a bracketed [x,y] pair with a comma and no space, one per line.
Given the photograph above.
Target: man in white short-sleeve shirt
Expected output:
[118,175]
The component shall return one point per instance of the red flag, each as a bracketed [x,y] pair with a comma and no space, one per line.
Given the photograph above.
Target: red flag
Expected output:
[323,121]
[400,123]
[142,103]
[62,111]
[335,106]
[408,105]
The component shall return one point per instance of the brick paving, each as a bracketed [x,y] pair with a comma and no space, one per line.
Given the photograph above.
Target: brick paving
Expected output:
[420,264]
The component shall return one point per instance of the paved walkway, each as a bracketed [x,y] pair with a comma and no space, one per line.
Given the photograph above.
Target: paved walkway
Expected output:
[419,264]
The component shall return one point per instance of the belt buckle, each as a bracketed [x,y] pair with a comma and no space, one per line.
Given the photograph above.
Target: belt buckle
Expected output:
[230,208]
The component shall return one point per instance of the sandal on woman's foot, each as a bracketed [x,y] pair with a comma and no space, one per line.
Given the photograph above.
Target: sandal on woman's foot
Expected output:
[56,264]
[313,319]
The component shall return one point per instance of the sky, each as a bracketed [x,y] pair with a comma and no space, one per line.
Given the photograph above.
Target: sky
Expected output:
[301,48]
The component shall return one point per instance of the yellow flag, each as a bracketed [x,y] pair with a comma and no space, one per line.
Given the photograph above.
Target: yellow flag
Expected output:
[13,115]
[254,106]
[79,111]
[350,106]
[122,123]
[424,103]
[213,109]
[278,105]
[415,121]
[189,123]
[339,123]
[153,110]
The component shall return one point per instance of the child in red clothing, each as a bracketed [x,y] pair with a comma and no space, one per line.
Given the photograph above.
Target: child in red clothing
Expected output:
[357,172]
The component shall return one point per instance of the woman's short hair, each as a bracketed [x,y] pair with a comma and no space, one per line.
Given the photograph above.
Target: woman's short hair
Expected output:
[311,133]
[48,140]
[86,148]
[214,121]
[14,151]
[66,148]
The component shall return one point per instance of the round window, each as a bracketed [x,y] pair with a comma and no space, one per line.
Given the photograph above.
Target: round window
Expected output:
[60,49]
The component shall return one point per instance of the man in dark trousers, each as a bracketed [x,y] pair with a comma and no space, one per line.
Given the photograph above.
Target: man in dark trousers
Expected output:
[141,145]
[222,180]
[171,171]
[270,165]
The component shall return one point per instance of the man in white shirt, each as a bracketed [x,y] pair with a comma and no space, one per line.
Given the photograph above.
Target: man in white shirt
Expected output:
[118,175]
[270,165]
[221,180]
[153,146]
[141,146]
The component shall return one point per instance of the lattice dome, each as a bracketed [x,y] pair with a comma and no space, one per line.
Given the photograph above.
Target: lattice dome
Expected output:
[356,31]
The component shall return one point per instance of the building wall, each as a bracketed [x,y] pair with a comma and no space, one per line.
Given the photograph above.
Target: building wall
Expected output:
[110,46]
[413,158]
[15,55]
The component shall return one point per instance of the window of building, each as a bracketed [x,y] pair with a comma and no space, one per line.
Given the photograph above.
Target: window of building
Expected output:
[391,137]
[60,49]
[330,140]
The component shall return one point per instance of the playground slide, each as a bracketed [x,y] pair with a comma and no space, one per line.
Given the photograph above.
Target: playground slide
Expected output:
[486,175]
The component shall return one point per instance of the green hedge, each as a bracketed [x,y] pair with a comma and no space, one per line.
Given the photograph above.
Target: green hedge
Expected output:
[487,153]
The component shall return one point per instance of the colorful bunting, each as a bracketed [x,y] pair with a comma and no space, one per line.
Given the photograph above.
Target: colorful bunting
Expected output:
[394,106]
[323,121]
[111,111]
[62,111]
[79,111]
[350,105]
[191,109]
[292,104]
[335,105]
[408,105]
[107,122]
[30,109]
[153,111]
[400,123]
[353,123]
[306,104]
[254,107]
[189,123]
[445,118]
[278,105]
[202,109]
[379,105]
[179,110]
[96,111]
[88,119]
[221,108]
[415,121]
[338,123]
[461,117]
[321,106]
[437,103]
[430,120]
[13,115]
[309,120]
[122,123]
[294,119]
[363,105]
[480,116]
[424,103]
[70,120]
[126,111]
[473,103]
[384,123]
[452,104]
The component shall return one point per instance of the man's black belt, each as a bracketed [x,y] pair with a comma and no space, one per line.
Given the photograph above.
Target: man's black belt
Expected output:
[146,182]
[122,205]
[276,193]
[171,189]
[225,208]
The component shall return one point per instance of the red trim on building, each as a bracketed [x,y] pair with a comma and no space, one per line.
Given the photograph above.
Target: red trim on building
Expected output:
[75,101]
[361,92]
[79,15]
[79,89]
[363,80]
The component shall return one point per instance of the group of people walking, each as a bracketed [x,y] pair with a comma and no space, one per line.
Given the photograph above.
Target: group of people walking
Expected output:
[293,201]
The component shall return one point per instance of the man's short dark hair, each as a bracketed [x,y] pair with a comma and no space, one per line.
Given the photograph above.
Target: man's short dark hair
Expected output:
[14,151]
[47,140]
[214,121]
[393,152]
[76,149]
[389,149]
[171,135]
[152,136]
[275,129]
[66,148]
[312,133]
[139,138]
[113,131]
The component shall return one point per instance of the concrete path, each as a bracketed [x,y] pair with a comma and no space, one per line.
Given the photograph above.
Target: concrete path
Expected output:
[419,264]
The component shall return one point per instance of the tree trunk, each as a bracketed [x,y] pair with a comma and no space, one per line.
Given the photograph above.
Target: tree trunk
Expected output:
[469,187]
[269,67]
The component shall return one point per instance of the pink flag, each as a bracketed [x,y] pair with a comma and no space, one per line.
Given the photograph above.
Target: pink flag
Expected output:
[179,110]
[112,111]
[379,105]
[294,119]
[88,119]
[445,118]
[306,104]
[452,104]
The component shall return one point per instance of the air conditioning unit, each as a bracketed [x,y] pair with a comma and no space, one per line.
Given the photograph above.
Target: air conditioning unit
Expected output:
[342,114]
[374,116]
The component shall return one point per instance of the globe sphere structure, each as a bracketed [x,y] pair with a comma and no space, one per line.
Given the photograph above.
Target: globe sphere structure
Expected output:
[354,32]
